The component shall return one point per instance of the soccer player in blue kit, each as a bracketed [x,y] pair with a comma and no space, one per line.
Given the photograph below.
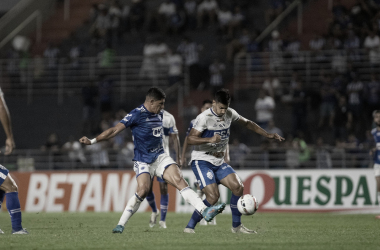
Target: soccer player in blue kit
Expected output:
[150,158]
[375,152]
[8,187]
[210,135]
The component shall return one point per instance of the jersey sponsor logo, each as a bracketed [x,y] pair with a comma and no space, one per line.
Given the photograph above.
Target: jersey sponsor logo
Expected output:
[155,149]
[126,117]
[158,131]
[224,134]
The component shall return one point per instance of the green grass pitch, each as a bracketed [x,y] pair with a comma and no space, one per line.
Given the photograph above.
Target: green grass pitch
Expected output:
[275,231]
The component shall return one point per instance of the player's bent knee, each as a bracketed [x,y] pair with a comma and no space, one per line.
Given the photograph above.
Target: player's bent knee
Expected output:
[212,198]
[238,190]
[143,191]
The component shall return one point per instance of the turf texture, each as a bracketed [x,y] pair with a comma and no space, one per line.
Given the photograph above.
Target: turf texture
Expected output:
[274,231]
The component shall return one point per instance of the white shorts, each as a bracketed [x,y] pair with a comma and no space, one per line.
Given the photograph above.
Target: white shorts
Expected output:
[376,167]
[156,168]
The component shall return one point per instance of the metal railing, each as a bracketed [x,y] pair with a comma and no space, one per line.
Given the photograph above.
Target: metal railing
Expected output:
[251,70]
[254,158]
[62,76]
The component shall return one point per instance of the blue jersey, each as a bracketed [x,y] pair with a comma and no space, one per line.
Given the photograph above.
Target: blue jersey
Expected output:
[376,137]
[147,133]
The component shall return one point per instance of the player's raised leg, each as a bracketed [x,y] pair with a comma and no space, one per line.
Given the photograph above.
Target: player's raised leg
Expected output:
[9,187]
[164,203]
[173,176]
[233,182]
[152,203]
[143,188]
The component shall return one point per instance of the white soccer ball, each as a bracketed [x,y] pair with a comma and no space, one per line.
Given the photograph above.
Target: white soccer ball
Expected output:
[247,204]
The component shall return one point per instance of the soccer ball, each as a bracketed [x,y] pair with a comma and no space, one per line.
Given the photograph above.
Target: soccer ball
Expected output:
[247,204]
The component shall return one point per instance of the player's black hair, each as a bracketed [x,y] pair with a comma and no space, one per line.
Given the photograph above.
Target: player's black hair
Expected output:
[375,112]
[206,101]
[156,94]
[223,96]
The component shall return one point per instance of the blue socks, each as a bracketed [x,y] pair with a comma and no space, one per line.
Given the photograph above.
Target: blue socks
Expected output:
[164,205]
[236,215]
[14,209]
[196,217]
[152,202]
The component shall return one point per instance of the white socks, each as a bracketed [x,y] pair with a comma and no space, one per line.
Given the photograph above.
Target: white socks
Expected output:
[131,208]
[191,197]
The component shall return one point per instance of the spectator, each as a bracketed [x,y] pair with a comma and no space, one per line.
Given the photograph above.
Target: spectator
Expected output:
[275,46]
[74,151]
[372,97]
[149,64]
[341,119]
[355,91]
[125,156]
[51,54]
[177,20]
[216,70]
[224,19]
[190,52]
[372,44]
[175,66]
[322,155]
[52,144]
[351,45]
[89,97]
[264,107]
[207,8]
[238,152]
[190,7]
[238,47]
[292,153]
[106,57]
[297,99]
[100,27]
[236,22]
[327,100]
[105,96]
[137,15]
[272,86]
[272,129]
[165,11]
[317,45]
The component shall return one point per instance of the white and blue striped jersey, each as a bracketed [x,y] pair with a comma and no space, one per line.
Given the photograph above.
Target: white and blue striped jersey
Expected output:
[376,137]
[147,133]
[208,123]
[168,123]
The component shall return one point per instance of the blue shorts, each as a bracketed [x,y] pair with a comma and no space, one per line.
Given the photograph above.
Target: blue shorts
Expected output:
[207,173]
[160,180]
[3,174]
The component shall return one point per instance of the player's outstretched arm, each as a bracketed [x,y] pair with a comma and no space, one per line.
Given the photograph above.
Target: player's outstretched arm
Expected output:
[7,125]
[259,130]
[107,134]
[195,138]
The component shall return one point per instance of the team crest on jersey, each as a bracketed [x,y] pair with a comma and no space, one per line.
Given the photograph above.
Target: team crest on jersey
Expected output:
[210,175]
[157,131]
